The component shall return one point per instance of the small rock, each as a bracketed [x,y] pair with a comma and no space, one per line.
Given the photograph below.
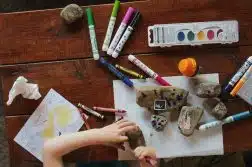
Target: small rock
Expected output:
[161,98]
[71,13]
[158,122]
[208,90]
[136,138]
[215,107]
[188,119]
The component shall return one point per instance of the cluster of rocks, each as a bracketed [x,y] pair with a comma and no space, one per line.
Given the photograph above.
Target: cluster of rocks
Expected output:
[159,99]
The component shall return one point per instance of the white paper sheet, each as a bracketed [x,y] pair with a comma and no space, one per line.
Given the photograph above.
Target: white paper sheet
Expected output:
[54,116]
[169,143]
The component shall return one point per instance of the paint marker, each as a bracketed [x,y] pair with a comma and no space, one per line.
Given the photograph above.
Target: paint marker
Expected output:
[126,35]
[111,26]
[241,82]
[239,74]
[147,70]
[229,119]
[112,110]
[92,33]
[90,111]
[117,73]
[120,30]
[128,71]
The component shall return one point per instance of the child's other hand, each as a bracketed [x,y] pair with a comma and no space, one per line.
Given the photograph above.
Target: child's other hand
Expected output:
[115,133]
[146,155]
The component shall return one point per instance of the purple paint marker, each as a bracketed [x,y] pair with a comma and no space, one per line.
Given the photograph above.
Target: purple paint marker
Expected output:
[120,30]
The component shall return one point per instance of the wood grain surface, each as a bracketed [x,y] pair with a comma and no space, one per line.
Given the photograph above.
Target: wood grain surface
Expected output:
[40,47]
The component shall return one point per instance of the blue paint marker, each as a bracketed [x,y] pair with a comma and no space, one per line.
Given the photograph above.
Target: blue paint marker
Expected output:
[233,118]
[120,75]
[239,74]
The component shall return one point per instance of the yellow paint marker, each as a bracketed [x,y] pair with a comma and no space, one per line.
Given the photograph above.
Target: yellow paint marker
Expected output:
[241,82]
[128,71]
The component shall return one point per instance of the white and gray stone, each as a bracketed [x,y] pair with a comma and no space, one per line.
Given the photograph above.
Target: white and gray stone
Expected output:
[188,119]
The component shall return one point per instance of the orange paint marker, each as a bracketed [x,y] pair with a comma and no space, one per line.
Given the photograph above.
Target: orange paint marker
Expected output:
[188,67]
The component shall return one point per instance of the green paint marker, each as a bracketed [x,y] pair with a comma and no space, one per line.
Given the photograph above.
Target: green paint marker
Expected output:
[111,26]
[92,35]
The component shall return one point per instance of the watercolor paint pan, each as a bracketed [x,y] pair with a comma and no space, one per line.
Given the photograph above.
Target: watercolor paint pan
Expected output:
[197,33]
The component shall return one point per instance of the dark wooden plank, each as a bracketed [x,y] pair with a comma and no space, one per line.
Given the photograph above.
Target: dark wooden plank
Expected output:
[88,82]
[41,36]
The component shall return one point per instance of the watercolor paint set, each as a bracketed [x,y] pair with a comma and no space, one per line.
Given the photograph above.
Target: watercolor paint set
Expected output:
[197,33]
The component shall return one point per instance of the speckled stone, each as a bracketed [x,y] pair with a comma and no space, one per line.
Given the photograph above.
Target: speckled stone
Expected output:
[175,97]
[158,122]
[208,90]
[215,107]
[71,13]
[188,119]
[136,138]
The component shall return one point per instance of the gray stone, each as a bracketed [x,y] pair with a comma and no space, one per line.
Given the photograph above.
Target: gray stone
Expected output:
[188,119]
[152,98]
[158,122]
[136,138]
[208,90]
[71,13]
[215,107]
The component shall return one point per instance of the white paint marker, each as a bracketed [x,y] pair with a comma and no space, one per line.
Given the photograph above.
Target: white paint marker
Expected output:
[120,30]
[111,26]
[148,71]
[126,35]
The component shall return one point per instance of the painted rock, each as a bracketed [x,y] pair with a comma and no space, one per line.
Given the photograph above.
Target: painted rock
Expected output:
[208,90]
[71,13]
[215,107]
[158,99]
[158,122]
[188,119]
[136,138]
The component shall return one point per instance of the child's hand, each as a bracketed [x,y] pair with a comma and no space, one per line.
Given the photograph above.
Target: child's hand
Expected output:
[146,155]
[115,133]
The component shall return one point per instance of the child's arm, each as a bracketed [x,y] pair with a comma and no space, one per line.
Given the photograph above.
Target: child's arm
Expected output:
[55,148]
[146,155]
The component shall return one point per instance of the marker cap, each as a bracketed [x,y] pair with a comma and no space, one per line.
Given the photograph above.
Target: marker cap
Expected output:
[115,8]
[135,19]
[90,16]
[128,15]
[188,67]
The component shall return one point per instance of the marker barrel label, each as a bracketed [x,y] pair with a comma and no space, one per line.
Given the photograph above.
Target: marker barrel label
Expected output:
[240,72]
[143,67]
[109,32]
[93,42]
[122,41]
[116,38]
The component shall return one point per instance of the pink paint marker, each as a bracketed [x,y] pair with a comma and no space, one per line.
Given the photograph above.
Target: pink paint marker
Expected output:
[148,71]
[120,30]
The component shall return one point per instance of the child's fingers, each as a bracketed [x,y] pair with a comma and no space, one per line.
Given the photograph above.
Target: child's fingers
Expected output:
[127,128]
[123,138]
[137,152]
[125,124]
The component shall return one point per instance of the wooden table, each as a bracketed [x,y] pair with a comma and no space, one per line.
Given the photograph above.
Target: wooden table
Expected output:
[39,46]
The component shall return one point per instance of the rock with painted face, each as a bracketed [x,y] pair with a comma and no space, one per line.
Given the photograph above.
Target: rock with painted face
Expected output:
[188,119]
[158,99]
